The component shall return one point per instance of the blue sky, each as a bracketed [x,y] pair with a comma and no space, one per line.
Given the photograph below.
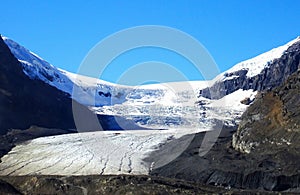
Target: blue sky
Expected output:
[63,32]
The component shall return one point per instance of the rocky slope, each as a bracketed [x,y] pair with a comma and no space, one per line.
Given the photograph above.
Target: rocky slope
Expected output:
[273,121]
[267,170]
[264,152]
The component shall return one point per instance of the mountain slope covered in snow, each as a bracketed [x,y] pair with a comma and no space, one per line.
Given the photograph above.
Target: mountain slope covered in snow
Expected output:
[167,105]
[259,73]
[25,102]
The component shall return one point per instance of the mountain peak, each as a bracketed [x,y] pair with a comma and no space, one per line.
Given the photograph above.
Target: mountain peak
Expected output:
[255,65]
[293,42]
[3,37]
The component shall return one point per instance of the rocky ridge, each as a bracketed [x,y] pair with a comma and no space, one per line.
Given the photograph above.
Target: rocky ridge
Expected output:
[275,73]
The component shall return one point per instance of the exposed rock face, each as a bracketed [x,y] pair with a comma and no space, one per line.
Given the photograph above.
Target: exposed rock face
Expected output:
[273,120]
[272,76]
[271,127]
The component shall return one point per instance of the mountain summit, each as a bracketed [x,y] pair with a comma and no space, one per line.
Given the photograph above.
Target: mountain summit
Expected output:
[262,72]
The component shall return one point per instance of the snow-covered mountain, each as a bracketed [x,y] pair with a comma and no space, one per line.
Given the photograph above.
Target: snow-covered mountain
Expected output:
[189,107]
[259,73]
[103,93]
[255,66]
[167,105]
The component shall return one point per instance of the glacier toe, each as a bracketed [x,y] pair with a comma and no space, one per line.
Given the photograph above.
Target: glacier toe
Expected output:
[101,152]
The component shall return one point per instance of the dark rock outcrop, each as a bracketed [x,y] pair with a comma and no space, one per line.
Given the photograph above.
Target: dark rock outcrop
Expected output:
[7,188]
[25,102]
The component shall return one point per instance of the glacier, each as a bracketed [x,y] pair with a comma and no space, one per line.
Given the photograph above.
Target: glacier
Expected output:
[167,110]
[158,106]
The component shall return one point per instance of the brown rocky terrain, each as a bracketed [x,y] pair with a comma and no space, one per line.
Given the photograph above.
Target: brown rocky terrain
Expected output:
[272,124]
[273,120]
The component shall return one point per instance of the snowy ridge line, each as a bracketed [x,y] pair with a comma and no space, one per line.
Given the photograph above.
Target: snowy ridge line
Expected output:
[92,90]
[64,80]
[175,102]
[257,64]
[138,103]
